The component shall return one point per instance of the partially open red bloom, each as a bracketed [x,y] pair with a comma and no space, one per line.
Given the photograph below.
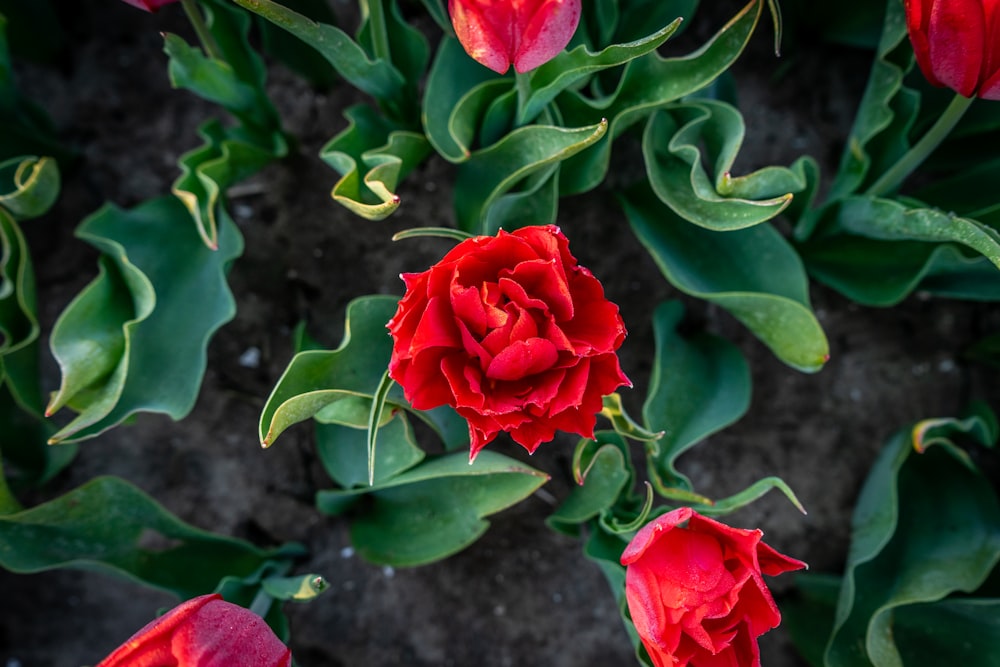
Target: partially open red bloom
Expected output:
[205,631]
[696,592]
[149,5]
[957,43]
[525,33]
[511,332]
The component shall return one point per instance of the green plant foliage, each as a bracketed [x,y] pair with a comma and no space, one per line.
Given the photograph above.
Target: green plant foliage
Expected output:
[134,340]
[295,53]
[646,84]
[699,386]
[926,525]
[109,525]
[603,470]
[675,168]
[433,510]
[753,273]
[396,152]
[344,453]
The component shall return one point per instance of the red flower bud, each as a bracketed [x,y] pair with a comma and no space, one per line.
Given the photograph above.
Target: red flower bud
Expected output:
[205,631]
[527,33]
[149,5]
[696,592]
[957,43]
[511,332]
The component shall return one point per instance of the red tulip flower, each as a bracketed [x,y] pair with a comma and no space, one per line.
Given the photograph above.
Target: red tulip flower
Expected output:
[205,631]
[149,5]
[696,593]
[511,332]
[957,43]
[525,33]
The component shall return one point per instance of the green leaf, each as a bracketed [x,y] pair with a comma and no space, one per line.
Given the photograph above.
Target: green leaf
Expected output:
[227,155]
[491,172]
[569,67]
[926,525]
[672,146]
[18,320]
[109,525]
[434,509]
[699,385]
[954,631]
[807,613]
[301,588]
[607,473]
[293,52]
[160,296]
[648,83]
[317,378]
[211,79]
[343,451]
[387,154]
[753,273]
[879,261]
[34,186]
[378,78]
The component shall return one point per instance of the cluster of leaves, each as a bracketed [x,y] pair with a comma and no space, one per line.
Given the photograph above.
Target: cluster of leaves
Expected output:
[134,339]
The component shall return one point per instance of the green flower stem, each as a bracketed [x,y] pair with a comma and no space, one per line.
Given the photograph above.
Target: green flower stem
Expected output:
[896,174]
[380,35]
[523,82]
[204,35]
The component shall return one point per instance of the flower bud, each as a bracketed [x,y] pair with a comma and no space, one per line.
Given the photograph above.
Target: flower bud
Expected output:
[525,33]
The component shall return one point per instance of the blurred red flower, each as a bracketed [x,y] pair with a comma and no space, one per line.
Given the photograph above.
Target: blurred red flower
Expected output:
[205,631]
[957,43]
[696,593]
[511,332]
[149,5]
[525,33]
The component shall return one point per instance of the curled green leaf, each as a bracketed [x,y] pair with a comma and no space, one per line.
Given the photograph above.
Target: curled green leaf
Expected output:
[33,186]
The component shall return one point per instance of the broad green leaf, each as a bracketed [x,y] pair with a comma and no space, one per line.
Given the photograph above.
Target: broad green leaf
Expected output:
[926,525]
[753,273]
[226,156]
[675,166]
[378,78]
[386,154]
[880,261]
[569,67]
[957,631]
[317,378]
[600,483]
[110,525]
[296,54]
[648,83]
[456,97]
[211,79]
[435,509]
[408,49]
[807,613]
[18,320]
[34,186]
[699,385]
[343,451]
[168,294]
[535,201]
[491,172]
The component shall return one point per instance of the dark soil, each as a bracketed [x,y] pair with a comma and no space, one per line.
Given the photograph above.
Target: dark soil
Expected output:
[522,595]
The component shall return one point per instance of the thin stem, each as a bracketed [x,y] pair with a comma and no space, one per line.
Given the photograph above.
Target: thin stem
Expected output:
[895,175]
[380,34]
[523,82]
[204,35]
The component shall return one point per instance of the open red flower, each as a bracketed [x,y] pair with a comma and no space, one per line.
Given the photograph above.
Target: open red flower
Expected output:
[957,43]
[511,332]
[696,593]
[525,33]
[205,631]
[149,5]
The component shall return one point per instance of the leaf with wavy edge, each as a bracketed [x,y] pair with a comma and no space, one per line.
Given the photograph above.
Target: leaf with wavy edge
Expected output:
[395,154]
[699,385]
[878,251]
[926,525]
[227,155]
[18,321]
[648,83]
[166,292]
[34,186]
[434,509]
[675,166]
[378,78]
[109,525]
[491,172]
[753,273]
